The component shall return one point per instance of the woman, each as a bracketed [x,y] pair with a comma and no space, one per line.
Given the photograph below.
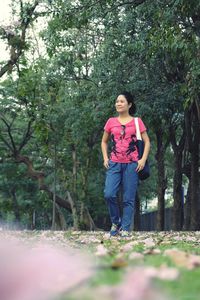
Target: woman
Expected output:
[123,165]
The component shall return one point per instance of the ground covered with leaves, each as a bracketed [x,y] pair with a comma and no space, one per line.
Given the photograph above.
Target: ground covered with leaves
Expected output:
[71,265]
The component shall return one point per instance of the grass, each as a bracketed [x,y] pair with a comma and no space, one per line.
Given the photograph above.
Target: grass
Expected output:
[185,287]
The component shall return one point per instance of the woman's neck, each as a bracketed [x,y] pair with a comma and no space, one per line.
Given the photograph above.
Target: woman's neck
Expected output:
[124,116]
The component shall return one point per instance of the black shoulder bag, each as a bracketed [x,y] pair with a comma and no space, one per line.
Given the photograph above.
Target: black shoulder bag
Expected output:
[145,172]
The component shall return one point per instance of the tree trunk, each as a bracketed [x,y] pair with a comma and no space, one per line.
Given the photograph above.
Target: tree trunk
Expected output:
[85,221]
[54,190]
[33,220]
[177,222]
[60,219]
[187,209]
[162,182]
[178,213]
[40,176]
[195,198]
[15,204]
[74,212]
[81,216]
[74,172]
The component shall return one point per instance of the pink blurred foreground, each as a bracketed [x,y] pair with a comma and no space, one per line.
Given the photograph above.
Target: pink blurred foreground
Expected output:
[40,271]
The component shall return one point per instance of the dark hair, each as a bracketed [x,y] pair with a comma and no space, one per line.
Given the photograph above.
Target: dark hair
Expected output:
[130,99]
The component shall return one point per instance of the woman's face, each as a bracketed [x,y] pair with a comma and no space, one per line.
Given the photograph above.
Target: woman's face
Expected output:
[121,104]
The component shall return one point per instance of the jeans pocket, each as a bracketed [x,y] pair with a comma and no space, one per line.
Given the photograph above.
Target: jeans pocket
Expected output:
[111,165]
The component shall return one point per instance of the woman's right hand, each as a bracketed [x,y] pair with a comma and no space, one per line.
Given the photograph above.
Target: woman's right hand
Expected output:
[106,163]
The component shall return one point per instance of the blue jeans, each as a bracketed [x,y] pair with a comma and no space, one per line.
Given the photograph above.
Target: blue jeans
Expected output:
[125,174]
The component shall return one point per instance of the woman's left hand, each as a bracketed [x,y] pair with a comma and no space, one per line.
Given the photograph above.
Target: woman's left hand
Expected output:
[141,164]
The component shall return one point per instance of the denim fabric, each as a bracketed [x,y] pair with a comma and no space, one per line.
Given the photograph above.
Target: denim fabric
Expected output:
[125,174]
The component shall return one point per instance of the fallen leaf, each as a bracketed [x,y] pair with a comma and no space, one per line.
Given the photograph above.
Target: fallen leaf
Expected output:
[136,256]
[166,273]
[127,247]
[149,242]
[152,251]
[183,259]
[101,251]
[137,285]
[89,240]
[119,263]
[106,236]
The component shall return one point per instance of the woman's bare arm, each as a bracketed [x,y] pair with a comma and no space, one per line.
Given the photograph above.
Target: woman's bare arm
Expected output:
[104,148]
[141,162]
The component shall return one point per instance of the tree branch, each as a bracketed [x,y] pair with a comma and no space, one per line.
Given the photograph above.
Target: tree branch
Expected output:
[16,51]
[40,176]
[13,148]
[27,136]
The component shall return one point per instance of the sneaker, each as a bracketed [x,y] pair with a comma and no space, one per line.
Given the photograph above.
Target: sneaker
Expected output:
[115,229]
[124,233]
